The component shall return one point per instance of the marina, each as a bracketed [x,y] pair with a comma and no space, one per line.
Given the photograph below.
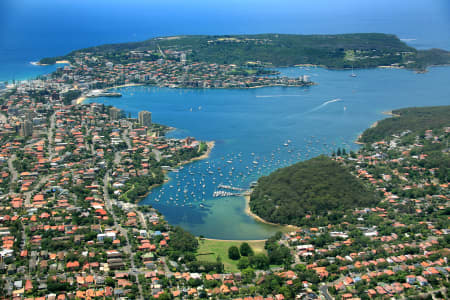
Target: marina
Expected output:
[254,138]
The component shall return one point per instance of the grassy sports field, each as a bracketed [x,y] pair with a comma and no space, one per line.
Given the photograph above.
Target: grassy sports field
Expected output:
[210,249]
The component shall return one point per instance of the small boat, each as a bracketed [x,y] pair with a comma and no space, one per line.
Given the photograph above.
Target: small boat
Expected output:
[353,74]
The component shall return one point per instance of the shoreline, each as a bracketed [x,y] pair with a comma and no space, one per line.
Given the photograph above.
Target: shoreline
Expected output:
[82,98]
[150,188]
[221,240]
[58,62]
[251,214]
[390,113]
[123,85]
[205,155]
[375,124]
[166,180]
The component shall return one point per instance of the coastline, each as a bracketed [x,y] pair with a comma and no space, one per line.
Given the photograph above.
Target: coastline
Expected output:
[390,113]
[166,180]
[123,85]
[391,67]
[205,155]
[82,98]
[249,212]
[359,136]
[37,63]
[387,113]
[220,240]
[150,188]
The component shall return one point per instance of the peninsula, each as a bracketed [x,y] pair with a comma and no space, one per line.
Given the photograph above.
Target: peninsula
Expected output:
[70,174]
[320,188]
[255,52]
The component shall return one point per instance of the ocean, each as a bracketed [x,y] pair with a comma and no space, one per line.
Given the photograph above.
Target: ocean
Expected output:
[258,130]
[30,29]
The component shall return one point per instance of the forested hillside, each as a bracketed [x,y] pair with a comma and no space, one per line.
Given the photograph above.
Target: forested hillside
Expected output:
[317,187]
[359,50]
[415,119]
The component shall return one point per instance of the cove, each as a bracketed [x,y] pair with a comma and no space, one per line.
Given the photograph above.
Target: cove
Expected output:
[257,131]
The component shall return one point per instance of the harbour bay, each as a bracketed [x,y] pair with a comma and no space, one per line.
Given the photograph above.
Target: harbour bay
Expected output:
[224,149]
[259,130]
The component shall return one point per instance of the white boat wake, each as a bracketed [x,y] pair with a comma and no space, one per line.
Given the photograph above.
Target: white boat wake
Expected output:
[325,104]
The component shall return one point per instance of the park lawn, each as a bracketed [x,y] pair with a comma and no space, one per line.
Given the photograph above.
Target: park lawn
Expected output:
[209,250]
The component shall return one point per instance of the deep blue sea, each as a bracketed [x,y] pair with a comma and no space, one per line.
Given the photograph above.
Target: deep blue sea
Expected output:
[250,127]
[32,29]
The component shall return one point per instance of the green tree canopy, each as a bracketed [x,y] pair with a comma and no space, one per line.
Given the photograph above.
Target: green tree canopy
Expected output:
[233,253]
[245,249]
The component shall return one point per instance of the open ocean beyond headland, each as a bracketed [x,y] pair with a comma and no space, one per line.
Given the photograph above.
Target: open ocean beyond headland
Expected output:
[30,30]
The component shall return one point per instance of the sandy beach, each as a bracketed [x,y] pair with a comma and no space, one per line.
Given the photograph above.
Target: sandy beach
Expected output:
[203,156]
[391,67]
[233,240]
[388,113]
[261,220]
[80,100]
[359,136]
[36,63]
[210,145]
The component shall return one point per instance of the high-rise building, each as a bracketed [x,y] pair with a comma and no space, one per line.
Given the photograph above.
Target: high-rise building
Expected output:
[145,118]
[26,128]
[114,113]
[29,115]
[183,58]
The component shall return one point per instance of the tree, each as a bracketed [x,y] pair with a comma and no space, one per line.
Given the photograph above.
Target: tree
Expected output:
[233,253]
[259,261]
[300,267]
[220,267]
[246,250]
[165,296]
[248,275]
[182,240]
[243,263]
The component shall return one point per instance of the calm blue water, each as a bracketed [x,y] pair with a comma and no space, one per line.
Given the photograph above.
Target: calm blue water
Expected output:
[316,120]
[31,29]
